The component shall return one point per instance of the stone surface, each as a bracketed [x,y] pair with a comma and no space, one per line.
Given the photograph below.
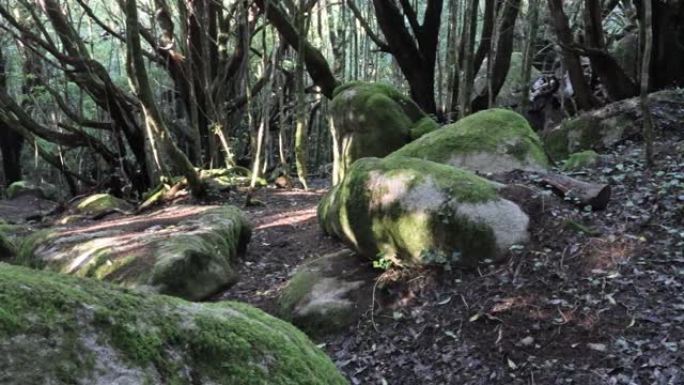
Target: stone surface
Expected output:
[328,293]
[99,203]
[605,127]
[491,141]
[416,212]
[185,251]
[372,120]
[43,191]
[56,329]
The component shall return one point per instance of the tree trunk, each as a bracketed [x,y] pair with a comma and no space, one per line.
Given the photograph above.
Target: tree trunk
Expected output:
[528,53]
[315,62]
[502,58]
[11,142]
[468,77]
[583,96]
[157,132]
[301,129]
[618,85]
[647,34]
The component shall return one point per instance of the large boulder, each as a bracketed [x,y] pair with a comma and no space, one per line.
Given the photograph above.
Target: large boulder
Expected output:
[605,127]
[185,251]
[415,212]
[490,141]
[99,203]
[328,293]
[372,120]
[7,248]
[43,191]
[63,330]
[626,52]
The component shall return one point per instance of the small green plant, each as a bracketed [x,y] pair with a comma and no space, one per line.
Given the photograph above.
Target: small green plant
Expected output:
[384,262]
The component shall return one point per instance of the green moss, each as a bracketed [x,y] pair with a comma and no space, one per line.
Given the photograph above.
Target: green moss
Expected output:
[580,160]
[28,246]
[156,336]
[7,247]
[556,143]
[297,287]
[351,211]
[193,262]
[495,131]
[44,191]
[98,203]
[372,120]
[422,127]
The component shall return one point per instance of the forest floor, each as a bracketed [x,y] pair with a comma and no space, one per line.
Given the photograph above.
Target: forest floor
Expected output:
[594,298]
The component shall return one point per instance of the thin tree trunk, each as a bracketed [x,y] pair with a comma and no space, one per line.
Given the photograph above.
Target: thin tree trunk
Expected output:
[156,129]
[647,33]
[466,86]
[528,53]
[301,148]
[585,99]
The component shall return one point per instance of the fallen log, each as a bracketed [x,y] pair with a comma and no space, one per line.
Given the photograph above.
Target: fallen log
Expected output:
[579,192]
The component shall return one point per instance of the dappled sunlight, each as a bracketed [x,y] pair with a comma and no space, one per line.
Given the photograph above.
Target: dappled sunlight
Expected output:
[164,217]
[291,218]
[607,253]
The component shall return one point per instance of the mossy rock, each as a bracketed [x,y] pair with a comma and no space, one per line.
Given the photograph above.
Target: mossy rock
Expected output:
[510,94]
[580,160]
[328,293]
[185,251]
[7,248]
[372,120]
[490,141]
[610,125]
[99,203]
[416,212]
[45,191]
[56,329]
[626,52]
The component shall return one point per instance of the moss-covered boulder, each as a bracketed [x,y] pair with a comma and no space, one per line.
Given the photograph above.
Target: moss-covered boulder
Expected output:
[580,160]
[626,52]
[605,127]
[62,330]
[185,251]
[99,203]
[43,191]
[372,120]
[415,212]
[7,248]
[328,293]
[510,93]
[491,141]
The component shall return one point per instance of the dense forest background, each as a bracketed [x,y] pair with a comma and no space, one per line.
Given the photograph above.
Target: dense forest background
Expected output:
[121,95]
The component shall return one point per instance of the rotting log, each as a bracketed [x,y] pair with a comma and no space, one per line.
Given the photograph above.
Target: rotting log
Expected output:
[579,192]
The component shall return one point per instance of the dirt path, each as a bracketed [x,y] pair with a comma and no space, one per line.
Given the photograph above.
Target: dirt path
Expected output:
[285,233]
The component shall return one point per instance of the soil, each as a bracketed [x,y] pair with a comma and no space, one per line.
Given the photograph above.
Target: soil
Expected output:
[594,298]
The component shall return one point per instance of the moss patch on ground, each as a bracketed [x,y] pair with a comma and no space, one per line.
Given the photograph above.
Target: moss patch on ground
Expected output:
[580,160]
[83,331]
